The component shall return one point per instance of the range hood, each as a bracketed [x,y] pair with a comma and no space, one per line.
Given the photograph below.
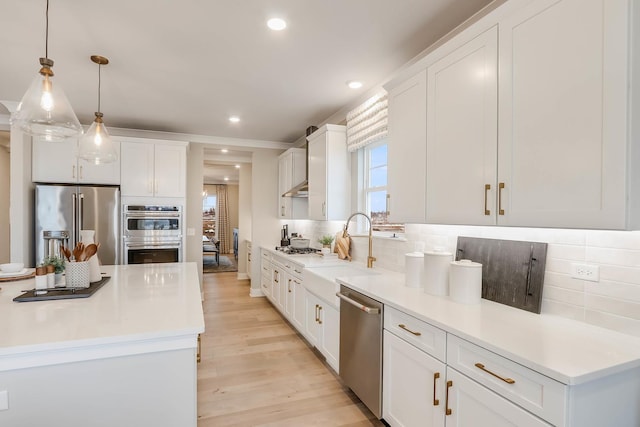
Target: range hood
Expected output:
[302,189]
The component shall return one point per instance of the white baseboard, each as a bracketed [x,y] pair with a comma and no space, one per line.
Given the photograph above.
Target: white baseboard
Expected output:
[256,293]
[243,276]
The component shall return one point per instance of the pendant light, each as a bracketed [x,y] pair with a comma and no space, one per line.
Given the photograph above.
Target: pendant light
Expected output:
[96,146]
[45,110]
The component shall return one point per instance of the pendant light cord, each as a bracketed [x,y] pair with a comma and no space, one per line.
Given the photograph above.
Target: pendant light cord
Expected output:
[46,38]
[99,81]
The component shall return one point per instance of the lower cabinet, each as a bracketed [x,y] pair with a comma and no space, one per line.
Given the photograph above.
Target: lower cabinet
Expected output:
[298,304]
[471,404]
[322,328]
[413,386]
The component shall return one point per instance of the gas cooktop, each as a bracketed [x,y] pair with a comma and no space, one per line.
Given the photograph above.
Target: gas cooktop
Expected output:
[297,251]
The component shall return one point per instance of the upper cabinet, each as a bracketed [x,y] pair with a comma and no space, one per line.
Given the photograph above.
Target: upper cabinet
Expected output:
[462,133]
[153,169]
[563,114]
[57,162]
[292,170]
[407,150]
[329,174]
[528,120]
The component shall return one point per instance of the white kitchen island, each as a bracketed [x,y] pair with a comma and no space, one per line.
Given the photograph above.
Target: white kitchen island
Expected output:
[126,356]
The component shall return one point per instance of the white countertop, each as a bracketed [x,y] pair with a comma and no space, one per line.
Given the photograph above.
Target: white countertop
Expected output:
[309,260]
[143,307]
[568,351]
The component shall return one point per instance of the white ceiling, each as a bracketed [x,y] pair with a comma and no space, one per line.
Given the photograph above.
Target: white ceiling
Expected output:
[186,66]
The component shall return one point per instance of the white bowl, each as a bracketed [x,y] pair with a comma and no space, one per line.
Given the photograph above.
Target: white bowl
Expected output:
[13,267]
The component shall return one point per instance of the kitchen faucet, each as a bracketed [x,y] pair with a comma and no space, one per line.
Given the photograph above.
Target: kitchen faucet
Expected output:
[370,258]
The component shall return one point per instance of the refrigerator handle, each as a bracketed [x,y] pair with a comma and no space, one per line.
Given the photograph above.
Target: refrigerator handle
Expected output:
[80,214]
[74,210]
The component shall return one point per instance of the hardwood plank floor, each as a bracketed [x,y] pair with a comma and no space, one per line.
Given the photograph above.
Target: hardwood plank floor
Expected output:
[257,371]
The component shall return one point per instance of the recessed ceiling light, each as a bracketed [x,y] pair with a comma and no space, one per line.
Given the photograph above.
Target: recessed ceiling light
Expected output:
[354,84]
[224,150]
[276,24]
[237,166]
[234,119]
[226,178]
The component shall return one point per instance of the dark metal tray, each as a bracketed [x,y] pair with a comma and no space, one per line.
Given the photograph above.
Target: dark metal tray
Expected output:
[62,293]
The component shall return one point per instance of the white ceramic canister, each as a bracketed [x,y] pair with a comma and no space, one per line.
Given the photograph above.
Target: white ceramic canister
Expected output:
[436,272]
[87,237]
[414,269]
[465,281]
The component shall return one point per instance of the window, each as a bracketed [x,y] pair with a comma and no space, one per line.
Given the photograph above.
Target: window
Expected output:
[209,215]
[374,186]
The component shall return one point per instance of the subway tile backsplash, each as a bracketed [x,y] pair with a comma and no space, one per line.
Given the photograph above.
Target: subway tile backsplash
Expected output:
[613,302]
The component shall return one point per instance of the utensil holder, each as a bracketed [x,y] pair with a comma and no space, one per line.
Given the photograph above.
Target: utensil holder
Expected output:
[77,274]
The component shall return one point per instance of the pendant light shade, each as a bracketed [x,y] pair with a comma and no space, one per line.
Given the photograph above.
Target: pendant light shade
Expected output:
[96,146]
[45,110]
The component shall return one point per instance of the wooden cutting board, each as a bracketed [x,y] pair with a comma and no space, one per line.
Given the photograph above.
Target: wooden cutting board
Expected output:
[19,277]
[512,271]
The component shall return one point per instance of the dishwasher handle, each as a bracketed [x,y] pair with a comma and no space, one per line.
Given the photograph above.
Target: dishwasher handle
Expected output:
[368,310]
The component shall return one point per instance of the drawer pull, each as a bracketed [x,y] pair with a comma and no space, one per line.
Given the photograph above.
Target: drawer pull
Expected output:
[506,380]
[436,375]
[446,399]
[401,326]
[487,187]
[500,188]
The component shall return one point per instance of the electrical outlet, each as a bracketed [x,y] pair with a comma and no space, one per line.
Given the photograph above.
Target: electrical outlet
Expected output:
[585,272]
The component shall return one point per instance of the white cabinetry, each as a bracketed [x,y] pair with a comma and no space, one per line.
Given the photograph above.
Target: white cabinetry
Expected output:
[266,272]
[564,74]
[322,328]
[57,162]
[153,169]
[461,133]
[292,169]
[329,174]
[407,150]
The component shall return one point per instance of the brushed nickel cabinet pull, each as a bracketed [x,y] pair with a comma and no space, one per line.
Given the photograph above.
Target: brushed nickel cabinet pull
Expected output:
[500,188]
[409,330]
[506,380]
[436,375]
[487,187]
[446,399]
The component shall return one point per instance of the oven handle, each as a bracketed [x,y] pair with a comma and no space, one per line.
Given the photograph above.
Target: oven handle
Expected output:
[153,245]
[151,215]
[368,310]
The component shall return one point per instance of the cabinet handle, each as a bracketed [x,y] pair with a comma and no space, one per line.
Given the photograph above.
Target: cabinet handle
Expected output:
[249,258]
[500,188]
[297,271]
[73,171]
[388,202]
[282,210]
[487,187]
[199,354]
[324,208]
[319,314]
[506,380]
[409,330]
[436,375]
[446,399]
[80,175]
[295,281]
[289,285]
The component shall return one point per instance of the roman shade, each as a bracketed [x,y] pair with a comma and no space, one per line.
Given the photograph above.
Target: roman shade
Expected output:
[368,122]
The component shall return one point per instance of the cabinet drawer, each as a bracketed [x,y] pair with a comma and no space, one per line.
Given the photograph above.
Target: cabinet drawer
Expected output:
[421,334]
[533,391]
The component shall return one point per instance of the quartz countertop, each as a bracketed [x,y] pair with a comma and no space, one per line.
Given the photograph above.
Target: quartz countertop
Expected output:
[566,350]
[143,307]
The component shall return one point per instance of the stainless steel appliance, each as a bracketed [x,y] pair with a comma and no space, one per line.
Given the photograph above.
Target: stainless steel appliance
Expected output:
[361,347]
[61,211]
[151,234]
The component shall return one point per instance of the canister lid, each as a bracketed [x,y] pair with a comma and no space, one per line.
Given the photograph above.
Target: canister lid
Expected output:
[438,253]
[415,254]
[466,263]
[41,271]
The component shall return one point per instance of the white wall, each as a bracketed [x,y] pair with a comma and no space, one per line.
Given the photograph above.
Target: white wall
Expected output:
[244,218]
[21,207]
[193,249]
[264,202]
[4,206]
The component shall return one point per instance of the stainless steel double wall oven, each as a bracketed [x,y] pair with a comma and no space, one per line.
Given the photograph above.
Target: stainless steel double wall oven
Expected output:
[151,234]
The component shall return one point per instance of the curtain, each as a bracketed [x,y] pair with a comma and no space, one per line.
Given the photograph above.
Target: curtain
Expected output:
[223,219]
[368,122]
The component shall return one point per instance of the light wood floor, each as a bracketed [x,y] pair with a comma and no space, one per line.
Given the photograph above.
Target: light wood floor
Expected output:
[256,370]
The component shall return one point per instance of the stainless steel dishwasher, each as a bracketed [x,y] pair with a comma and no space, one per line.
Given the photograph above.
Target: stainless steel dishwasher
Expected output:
[361,347]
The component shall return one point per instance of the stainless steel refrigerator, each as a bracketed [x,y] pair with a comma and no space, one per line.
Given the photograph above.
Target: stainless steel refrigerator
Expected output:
[64,210]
